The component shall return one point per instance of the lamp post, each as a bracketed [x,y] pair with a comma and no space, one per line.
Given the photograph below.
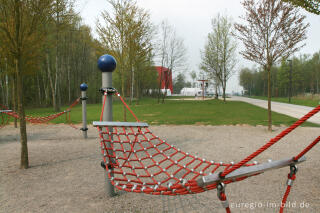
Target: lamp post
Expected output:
[290,80]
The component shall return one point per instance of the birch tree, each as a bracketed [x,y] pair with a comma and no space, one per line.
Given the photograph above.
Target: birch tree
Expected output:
[219,55]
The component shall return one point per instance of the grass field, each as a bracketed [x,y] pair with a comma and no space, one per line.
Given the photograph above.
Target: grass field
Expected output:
[211,112]
[303,101]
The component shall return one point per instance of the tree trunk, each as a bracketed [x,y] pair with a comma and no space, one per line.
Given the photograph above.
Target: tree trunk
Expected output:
[7,92]
[131,85]
[165,90]
[269,99]
[55,104]
[39,90]
[45,88]
[14,99]
[51,82]
[24,161]
[167,78]
[69,82]
[224,89]
[318,84]
[3,93]
[138,92]
[224,94]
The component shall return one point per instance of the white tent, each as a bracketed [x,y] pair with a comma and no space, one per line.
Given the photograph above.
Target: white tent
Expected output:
[191,92]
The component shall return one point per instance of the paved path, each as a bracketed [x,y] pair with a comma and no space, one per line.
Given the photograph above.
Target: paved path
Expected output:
[292,110]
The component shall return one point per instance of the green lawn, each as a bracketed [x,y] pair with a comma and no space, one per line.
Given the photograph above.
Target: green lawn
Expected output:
[295,100]
[211,112]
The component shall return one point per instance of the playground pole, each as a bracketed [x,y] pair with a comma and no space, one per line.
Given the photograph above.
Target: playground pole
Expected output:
[107,65]
[83,88]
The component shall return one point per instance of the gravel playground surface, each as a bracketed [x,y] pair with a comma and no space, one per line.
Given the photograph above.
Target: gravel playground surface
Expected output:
[65,173]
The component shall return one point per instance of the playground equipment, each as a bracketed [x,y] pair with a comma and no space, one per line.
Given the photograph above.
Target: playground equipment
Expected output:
[204,85]
[83,88]
[136,160]
[44,119]
[48,118]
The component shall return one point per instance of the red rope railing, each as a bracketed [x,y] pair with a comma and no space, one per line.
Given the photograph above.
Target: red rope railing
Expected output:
[44,119]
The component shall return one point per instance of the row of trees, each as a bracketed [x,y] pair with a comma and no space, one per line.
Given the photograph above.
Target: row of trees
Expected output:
[46,53]
[305,77]
[63,53]
[52,49]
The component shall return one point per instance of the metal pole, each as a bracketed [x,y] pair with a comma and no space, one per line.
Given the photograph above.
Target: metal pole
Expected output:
[107,83]
[107,65]
[84,98]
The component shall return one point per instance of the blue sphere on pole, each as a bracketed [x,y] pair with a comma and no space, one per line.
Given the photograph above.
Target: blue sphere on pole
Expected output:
[83,87]
[107,63]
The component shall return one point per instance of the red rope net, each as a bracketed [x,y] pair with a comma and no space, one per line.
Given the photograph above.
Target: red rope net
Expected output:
[136,160]
[44,119]
[140,161]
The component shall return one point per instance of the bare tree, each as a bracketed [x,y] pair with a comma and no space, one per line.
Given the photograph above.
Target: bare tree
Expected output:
[165,32]
[218,57]
[172,55]
[273,30]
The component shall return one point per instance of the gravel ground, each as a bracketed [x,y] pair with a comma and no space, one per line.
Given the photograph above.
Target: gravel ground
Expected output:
[65,173]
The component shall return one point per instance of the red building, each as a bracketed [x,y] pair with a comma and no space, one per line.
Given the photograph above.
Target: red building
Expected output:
[166,75]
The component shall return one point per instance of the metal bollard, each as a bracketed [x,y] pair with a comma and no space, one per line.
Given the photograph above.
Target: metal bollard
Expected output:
[83,88]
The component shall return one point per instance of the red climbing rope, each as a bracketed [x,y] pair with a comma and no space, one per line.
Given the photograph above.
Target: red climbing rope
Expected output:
[104,104]
[291,178]
[307,149]
[272,141]
[126,105]
[286,195]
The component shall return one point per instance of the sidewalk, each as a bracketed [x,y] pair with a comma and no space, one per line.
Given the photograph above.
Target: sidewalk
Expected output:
[292,110]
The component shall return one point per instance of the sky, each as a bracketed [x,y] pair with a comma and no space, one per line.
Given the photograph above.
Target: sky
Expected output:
[192,21]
